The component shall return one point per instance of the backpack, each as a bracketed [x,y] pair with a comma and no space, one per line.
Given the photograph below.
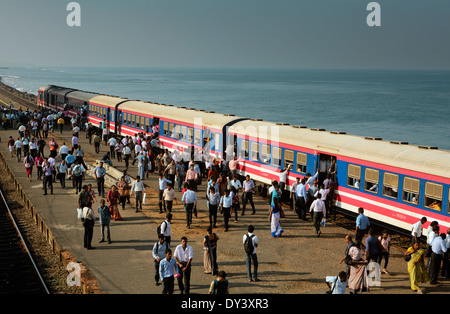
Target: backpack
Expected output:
[77,171]
[248,244]
[158,229]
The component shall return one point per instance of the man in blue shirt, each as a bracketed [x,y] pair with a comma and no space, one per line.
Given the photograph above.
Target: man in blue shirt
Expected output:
[372,251]
[104,219]
[225,207]
[438,248]
[167,269]
[362,223]
[141,162]
[100,173]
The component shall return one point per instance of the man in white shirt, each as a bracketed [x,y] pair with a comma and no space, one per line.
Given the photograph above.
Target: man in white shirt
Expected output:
[18,149]
[88,224]
[138,188]
[112,145]
[416,232]
[319,212]
[248,186]
[338,283]
[169,197]
[236,183]
[190,199]
[283,180]
[183,256]
[63,151]
[251,256]
[166,227]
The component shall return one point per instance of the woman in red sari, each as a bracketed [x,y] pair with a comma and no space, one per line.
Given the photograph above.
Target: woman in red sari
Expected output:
[113,199]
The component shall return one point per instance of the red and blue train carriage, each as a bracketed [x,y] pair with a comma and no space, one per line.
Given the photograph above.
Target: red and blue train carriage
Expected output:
[396,183]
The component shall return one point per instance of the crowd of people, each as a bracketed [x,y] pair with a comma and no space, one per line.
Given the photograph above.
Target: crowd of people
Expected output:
[225,193]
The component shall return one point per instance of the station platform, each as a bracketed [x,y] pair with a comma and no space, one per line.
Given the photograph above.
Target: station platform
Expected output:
[295,263]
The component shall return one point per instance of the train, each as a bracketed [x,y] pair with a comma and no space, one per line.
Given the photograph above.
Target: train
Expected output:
[395,182]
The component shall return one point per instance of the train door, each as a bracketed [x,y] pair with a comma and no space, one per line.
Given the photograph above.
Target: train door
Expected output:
[324,162]
[118,121]
[53,100]
[231,149]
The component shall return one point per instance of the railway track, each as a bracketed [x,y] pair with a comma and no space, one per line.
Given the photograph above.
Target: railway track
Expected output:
[18,271]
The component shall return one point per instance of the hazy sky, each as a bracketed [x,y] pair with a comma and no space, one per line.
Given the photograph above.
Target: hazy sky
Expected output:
[414,34]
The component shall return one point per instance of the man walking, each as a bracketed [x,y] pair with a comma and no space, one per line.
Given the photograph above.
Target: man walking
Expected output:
[100,173]
[190,199]
[184,255]
[167,269]
[250,241]
[158,253]
[247,196]
[104,219]
[138,188]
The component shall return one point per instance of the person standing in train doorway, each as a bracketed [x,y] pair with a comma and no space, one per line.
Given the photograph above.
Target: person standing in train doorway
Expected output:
[332,170]
[247,196]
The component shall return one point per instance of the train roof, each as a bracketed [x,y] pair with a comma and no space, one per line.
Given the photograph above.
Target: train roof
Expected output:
[208,119]
[397,154]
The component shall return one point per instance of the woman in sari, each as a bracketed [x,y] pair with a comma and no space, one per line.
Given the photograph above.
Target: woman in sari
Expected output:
[416,266]
[53,147]
[113,199]
[210,253]
[124,191]
[358,280]
[275,213]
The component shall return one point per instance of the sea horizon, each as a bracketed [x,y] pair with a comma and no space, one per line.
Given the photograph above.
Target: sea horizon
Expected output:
[394,104]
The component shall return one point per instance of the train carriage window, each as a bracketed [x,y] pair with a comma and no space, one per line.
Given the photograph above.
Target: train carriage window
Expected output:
[288,157]
[433,195]
[301,161]
[183,133]
[138,122]
[207,135]
[217,142]
[390,185]
[166,129]
[254,151]
[354,176]
[371,179]
[190,135]
[244,149]
[265,153]
[276,157]
[198,137]
[178,133]
[411,189]
[171,129]
[448,203]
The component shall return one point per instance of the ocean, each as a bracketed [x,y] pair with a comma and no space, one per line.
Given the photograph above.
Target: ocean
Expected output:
[400,105]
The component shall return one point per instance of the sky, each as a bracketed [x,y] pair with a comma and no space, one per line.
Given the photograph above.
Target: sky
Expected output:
[331,34]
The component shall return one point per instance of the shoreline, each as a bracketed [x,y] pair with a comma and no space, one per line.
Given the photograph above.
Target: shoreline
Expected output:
[16,92]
